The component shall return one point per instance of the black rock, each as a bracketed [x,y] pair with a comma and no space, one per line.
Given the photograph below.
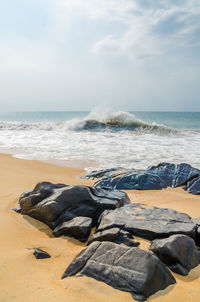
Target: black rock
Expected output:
[114,235]
[56,204]
[153,178]
[178,252]
[40,254]
[78,228]
[17,209]
[148,222]
[126,268]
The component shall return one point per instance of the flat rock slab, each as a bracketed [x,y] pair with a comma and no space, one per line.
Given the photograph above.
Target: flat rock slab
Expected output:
[126,268]
[40,254]
[153,178]
[178,252]
[148,222]
[55,204]
[78,228]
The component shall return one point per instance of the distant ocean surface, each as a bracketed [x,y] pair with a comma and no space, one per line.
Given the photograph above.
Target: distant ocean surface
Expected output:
[103,139]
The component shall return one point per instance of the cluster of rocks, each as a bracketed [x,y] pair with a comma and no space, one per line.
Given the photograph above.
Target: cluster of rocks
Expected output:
[112,255]
[153,178]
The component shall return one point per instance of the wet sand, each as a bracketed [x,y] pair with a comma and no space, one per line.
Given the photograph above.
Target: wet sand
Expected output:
[25,279]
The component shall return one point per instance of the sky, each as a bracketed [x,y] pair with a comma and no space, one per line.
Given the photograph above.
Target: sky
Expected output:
[119,54]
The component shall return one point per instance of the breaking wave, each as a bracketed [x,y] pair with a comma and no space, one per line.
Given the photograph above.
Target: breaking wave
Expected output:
[95,121]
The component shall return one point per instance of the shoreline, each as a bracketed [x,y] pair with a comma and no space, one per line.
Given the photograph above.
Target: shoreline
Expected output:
[73,163]
[25,279]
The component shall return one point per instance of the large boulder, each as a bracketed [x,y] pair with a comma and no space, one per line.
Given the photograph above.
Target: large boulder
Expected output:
[126,268]
[178,252]
[56,204]
[114,235]
[153,178]
[78,228]
[148,222]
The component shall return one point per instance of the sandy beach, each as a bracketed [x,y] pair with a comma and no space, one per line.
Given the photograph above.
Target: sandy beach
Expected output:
[25,279]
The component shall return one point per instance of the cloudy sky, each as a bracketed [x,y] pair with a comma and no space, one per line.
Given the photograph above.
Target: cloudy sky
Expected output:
[79,54]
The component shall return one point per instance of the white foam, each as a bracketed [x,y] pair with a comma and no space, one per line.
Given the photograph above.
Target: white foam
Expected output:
[63,141]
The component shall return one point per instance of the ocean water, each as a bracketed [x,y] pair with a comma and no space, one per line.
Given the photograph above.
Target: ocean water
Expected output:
[103,139]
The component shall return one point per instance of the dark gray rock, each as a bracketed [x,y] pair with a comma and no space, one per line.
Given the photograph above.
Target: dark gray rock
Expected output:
[40,254]
[174,175]
[126,268]
[153,178]
[193,186]
[114,235]
[198,236]
[196,221]
[136,180]
[57,204]
[101,173]
[17,210]
[178,252]
[148,222]
[78,228]
[42,190]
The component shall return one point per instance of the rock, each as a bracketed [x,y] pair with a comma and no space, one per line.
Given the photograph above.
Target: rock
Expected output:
[148,222]
[196,221]
[153,178]
[40,254]
[55,204]
[132,180]
[178,252]
[17,210]
[198,237]
[101,173]
[126,268]
[78,228]
[41,191]
[114,235]
[193,186]
[174,175]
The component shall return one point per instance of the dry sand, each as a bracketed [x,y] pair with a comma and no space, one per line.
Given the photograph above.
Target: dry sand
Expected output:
[25,279]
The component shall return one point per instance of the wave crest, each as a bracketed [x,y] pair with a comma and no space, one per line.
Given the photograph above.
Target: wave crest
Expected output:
[118,121]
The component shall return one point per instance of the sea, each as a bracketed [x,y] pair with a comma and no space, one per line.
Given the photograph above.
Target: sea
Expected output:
[102,138]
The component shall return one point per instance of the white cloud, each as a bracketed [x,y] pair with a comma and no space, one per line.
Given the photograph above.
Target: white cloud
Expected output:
[151,30]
